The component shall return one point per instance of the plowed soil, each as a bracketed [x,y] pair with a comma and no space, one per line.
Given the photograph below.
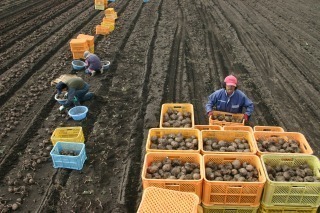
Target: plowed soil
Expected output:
[162,51]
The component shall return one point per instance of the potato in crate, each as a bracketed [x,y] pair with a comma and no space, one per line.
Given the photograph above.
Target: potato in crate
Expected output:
[174,171]
[232,180]
[268,128]
[68,155]
[167,201]
[227,142]
[67,134]
[173,140]
[292,180]
[226,118]
[281,142]
[177,115]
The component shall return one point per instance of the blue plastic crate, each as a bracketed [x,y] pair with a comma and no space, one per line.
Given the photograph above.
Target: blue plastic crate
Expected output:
[65,161]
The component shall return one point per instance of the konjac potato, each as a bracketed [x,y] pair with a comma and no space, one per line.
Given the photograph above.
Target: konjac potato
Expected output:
[174,142]
[216,145]
[227,118]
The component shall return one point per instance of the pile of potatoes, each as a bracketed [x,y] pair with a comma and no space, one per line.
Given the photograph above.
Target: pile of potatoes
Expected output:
[174,142]
[216,145]
[276,144]
[227,118]
[232,171]
[286,173]
[173,169]
[69,152]
[174,118]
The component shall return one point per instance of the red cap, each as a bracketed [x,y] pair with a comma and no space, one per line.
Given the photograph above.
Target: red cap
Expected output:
[231,80]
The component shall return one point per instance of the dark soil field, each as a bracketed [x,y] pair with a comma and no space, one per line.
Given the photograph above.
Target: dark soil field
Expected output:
[163,51]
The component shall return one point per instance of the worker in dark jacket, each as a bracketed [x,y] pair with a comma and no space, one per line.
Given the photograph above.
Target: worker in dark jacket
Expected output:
[78,91]
[93,63]
[230,99]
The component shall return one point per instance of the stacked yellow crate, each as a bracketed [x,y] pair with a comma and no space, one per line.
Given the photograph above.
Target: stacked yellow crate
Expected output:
[108,22]
[89,39]
[100,4]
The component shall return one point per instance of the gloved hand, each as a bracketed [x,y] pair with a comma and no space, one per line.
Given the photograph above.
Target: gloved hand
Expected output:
[61,108]
[65,96]
[210,113]
[246,117]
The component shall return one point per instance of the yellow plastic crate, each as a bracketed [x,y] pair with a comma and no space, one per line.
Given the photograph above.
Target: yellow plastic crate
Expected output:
[229,209]
[99,7]
[268,128]
[286,209]
[236,116]
[180,107]
[208,127]
[67,134]
[194,186]
[160,132]
[240,128]
[291,193]
[233,192]
[303,143]
[109,25]
[228,136]
[167,201]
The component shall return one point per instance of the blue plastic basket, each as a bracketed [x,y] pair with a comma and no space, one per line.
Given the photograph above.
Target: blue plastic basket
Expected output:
[60,101]
[65,161]
[106,65]
[78,112]
[78,65]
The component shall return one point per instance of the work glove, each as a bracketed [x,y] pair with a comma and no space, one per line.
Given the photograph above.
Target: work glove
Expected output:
[210,113]
[61,108]
[246,119]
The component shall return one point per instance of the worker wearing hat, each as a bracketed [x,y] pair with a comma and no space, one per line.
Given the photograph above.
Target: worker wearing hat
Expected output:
[230,99]
[93,63]
[78,90]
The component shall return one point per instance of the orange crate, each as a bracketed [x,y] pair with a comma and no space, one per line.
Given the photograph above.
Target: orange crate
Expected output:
[167,201]
[240,128]
[180,107]
[268,128]
[228,136]
[111,20]
[234,117]
[161,132]
[208,127]
[77,55]
[111,16]
[304,145]
[103,30]
[88,38]
[78,45]
[232,192]
[194,186]
[109,11]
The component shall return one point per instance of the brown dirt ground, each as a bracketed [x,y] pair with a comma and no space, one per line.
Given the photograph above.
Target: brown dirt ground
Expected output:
[162,51]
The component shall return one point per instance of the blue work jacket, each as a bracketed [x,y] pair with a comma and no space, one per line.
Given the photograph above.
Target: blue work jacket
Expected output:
[233,103]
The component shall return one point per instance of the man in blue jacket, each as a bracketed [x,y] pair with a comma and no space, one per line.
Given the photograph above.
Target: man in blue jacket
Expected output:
[230,99]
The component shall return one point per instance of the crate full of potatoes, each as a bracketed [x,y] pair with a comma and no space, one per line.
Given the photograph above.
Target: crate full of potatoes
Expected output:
[232,180]
[173,140]
[227,142]
[226,118]
[175,171]
[292,180]
[281,142]
[177,115]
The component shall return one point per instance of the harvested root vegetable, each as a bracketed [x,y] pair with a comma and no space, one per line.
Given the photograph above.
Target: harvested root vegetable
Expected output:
[173,169]
[174,142]
[287,173]
[276,144]
[234,171]
[227,118]
[174,118]
[216,145]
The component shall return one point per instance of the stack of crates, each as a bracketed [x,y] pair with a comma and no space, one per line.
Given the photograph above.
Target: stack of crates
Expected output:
[78,47]
[108,22]
[100,4]
[89,39]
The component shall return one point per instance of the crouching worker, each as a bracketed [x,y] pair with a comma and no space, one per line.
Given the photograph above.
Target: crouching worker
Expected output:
[78,91]
[93,63]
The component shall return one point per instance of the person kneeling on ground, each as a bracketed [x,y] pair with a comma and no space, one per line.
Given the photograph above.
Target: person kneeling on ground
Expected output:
[93,63]
[230,99]
[78,91]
